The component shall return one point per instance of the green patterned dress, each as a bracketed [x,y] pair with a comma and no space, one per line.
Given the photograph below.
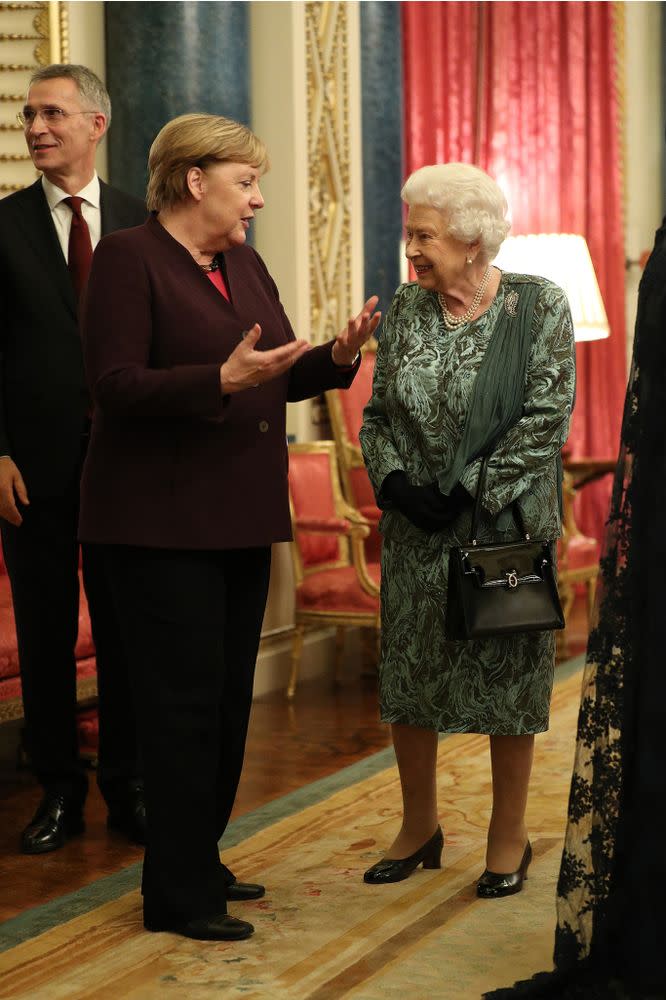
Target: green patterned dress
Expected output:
[421,390]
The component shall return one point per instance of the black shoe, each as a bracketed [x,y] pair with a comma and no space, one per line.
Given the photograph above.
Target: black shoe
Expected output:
[56,819]
[219,928]
[492,885]
[240,892]
[388,870]
[127,813]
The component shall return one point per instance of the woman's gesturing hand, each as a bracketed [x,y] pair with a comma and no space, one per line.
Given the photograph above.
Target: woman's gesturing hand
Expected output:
[246,368]
[349,342]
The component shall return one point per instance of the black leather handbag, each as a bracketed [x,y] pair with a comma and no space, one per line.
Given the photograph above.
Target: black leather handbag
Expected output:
[499,588]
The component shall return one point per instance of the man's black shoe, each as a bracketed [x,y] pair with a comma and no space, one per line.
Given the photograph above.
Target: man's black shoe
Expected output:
[243,891]
[56,819]
[219,928]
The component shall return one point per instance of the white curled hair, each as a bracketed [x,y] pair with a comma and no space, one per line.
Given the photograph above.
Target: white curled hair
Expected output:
[473,205]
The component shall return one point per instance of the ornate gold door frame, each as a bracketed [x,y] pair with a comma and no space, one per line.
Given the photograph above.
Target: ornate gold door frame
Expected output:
[31,35]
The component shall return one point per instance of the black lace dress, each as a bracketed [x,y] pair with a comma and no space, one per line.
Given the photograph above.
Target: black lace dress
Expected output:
[610,940]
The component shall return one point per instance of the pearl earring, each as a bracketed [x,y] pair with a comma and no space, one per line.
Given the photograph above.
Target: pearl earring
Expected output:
[469,260]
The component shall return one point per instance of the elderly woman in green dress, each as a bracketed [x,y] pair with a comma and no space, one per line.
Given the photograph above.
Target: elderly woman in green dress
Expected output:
[423,432]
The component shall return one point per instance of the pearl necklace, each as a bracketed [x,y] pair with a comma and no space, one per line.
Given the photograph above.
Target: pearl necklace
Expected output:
[452,322]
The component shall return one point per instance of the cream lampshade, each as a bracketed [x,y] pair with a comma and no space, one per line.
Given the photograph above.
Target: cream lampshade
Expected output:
[565,259]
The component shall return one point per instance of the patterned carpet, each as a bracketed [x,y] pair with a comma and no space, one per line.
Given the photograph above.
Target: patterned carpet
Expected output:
[321,934]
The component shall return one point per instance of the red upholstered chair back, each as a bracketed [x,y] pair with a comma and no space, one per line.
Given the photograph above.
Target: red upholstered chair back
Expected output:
[312,499]
[354,399]
[345,407]
[363,493]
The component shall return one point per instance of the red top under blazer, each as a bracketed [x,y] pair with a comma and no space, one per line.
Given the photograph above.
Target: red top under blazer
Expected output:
[172,463]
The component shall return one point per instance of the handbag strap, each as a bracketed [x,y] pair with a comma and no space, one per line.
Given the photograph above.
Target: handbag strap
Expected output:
[476,514]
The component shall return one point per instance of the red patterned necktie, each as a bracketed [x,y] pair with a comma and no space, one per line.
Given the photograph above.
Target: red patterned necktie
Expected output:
[79,252]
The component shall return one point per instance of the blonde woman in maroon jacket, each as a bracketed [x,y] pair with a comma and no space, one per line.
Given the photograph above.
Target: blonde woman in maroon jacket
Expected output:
[191,361]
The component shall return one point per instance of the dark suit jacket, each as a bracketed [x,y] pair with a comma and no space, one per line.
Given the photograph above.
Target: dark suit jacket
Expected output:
[173,463]
[43,395]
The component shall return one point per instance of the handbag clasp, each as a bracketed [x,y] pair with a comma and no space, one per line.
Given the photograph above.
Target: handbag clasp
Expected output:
[512,579]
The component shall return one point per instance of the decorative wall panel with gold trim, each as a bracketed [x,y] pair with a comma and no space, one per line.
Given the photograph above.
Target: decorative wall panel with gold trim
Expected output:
[31,35]
[329,156]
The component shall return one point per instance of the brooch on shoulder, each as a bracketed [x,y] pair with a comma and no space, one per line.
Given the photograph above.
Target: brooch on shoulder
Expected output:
[511,303]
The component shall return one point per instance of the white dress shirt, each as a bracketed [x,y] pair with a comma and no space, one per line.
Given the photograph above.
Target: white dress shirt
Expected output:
[62,214]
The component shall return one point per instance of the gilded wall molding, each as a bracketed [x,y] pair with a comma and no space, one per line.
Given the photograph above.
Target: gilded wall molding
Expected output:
[327,66]
[31,35]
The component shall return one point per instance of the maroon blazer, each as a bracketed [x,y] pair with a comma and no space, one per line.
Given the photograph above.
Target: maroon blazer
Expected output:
[172,463]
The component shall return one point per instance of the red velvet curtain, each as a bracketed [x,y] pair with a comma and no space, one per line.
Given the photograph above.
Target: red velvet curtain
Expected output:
[528,92]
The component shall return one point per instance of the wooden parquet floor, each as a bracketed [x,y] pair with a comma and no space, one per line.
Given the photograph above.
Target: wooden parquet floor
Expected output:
[326,728]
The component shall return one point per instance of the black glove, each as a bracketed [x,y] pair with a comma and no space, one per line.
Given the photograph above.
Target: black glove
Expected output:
[424,506]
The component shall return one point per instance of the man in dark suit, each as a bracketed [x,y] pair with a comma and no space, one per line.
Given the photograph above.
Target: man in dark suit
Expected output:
[47,234]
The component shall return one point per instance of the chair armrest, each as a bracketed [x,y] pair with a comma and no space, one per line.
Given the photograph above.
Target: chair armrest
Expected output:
[360,529]
[353,515]
[352,523]
[372,514]
[361,567]
[323,525]
[355,456]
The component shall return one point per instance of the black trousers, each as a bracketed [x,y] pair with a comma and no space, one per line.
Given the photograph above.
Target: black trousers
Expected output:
[191,621]
[42,558]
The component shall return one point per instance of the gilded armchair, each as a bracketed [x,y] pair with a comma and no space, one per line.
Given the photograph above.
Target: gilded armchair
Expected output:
[334,584]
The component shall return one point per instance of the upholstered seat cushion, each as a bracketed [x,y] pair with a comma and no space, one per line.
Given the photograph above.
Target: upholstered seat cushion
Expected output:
[337,590]
[581,552]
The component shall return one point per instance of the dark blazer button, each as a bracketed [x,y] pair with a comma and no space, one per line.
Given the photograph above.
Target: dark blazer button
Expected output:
[263,426]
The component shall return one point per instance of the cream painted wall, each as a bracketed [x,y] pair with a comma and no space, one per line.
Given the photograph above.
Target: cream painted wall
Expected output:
[86,48]
[644,140]
[279,116]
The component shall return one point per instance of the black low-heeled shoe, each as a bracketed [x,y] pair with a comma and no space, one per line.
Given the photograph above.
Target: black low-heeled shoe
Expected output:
[390,870]
[493,885]
[221,927]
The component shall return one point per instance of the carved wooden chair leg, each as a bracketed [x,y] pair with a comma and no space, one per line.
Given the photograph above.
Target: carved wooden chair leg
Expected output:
[296,651]
[339,653]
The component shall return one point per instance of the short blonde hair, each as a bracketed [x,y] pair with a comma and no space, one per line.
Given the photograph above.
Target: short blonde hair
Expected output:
[472,204]
[196,140]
